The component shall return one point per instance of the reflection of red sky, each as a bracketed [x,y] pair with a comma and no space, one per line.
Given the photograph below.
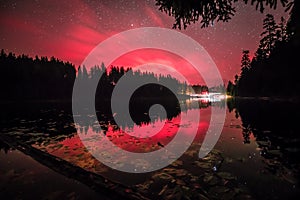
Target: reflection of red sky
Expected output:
[75,147]
[205,115]
[144,56]
[73,150]
[135,144]
[163,137]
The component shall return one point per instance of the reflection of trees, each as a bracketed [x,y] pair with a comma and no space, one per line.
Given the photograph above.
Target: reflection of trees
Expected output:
[139,109]
[246,134]
[37,122]
[275,128]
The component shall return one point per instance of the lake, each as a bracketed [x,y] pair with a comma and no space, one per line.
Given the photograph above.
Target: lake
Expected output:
[254,158]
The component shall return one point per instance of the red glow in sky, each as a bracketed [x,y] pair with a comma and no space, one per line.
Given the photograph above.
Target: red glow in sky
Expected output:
[152,56]
[69,30]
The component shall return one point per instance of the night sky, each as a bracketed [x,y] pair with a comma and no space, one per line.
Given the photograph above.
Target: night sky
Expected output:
[69,30]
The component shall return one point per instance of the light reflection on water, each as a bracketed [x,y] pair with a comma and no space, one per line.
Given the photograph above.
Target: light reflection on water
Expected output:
[72,149]
[246,148]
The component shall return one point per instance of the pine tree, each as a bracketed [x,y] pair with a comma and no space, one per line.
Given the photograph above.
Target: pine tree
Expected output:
[85,74]
[230,88]
[246,62]
[270,36]
[79,75]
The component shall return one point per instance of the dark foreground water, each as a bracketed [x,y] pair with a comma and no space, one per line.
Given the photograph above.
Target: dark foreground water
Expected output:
[256,156]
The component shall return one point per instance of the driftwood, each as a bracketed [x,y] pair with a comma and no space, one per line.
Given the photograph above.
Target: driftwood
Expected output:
[98,183]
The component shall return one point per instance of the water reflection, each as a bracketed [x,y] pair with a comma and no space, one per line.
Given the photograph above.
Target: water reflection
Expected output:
[265,131]
[37,122]
[274,124]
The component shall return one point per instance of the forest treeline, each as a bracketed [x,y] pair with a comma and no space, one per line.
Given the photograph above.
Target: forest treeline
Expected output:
[26,78]
[273,71]
[41,78]
[110,77]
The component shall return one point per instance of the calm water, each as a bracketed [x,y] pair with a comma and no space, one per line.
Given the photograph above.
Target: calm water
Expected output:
[255,157]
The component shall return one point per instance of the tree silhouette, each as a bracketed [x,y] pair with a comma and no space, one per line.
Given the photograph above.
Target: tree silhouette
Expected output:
[190,11]
[236,79]
[273,71]
[246,62]
[85,74]
[246,133]
[270,36]
[260,118]
[230,88]
[25,78]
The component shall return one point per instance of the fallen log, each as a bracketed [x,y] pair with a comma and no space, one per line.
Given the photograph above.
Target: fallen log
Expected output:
[96,182]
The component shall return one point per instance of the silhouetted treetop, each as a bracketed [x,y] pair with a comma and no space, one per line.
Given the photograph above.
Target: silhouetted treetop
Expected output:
[245,62]
[269,37]
[208,11]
